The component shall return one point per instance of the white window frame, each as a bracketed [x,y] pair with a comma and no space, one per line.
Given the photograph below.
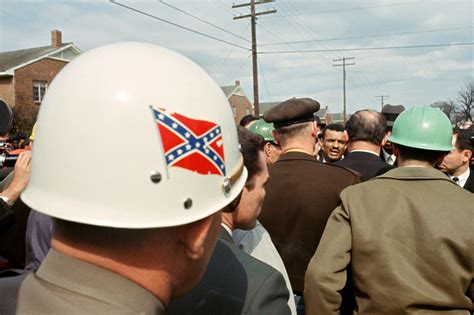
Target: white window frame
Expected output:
[39,90]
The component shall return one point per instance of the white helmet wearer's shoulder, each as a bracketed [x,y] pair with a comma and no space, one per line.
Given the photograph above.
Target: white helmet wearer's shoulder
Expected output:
[133,135]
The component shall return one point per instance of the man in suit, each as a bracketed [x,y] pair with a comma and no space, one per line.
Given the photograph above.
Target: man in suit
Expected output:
[235,282]
[366,131]
[299,197]
[457,163]
[334,143]
[390,113]
[129,246]
[410,255]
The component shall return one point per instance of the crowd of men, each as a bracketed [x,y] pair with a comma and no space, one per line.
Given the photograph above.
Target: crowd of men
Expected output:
[279,215]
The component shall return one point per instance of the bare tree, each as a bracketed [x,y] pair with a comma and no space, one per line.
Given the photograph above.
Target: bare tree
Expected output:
[465,107]
[447,107]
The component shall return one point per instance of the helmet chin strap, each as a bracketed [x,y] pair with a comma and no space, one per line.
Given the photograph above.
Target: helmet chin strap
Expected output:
[229,181]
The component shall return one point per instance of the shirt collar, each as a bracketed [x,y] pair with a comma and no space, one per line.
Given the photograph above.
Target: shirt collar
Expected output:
[227,229]
[463,177]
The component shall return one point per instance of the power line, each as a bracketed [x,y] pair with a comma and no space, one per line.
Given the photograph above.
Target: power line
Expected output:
[177,25]
[253,20]
[357,8]
[366,48]
[203,21]
[369,36]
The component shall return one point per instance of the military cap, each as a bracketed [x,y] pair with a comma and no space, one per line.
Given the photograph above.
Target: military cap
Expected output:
[292,111]
[391,113]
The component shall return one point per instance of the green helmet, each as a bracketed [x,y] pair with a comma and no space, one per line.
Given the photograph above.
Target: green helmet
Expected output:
[423,127]
[264,129]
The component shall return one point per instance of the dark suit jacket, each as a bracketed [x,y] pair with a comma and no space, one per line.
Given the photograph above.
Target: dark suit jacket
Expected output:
[369,165]
[469,185]
[234,283]
[300,196]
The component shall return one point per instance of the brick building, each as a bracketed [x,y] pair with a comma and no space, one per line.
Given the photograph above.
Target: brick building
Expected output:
[25,74]
[239,103]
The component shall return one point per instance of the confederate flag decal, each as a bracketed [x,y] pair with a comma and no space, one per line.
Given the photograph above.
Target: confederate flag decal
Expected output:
[192,144]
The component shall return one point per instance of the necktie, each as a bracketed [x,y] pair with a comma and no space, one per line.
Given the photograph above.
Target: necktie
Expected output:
[456,180]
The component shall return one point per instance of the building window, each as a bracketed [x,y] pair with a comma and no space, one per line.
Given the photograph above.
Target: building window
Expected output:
[39,89]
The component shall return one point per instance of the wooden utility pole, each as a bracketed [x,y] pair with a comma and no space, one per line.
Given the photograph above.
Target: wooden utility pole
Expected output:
[253,18]
[344,64]
[381,98]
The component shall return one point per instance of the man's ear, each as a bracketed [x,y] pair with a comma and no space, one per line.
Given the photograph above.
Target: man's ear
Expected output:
[193,236]
[396,152]
[276,136]
[466,156]
[346,136]
[314,129]
[384,140]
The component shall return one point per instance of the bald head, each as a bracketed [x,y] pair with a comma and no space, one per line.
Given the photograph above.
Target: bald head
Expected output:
[366,125]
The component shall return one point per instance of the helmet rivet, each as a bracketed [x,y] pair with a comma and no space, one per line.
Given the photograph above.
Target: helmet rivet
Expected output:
[155,177]
[226,185]
[188,203]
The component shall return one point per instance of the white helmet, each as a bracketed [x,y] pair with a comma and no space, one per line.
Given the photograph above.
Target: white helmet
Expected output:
[132,135]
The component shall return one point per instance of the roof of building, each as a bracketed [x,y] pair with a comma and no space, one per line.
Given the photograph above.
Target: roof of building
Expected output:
[230,90]
[337,118]
[264,106]
[13,59]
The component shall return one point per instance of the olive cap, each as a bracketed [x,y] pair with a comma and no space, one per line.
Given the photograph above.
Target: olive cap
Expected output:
[292,111]
[423,127]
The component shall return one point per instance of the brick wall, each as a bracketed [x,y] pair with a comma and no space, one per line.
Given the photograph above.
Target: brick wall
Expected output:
[7,91]
[242,107]
[43,70]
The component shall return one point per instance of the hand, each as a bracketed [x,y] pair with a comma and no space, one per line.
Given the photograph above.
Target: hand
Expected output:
[21,177]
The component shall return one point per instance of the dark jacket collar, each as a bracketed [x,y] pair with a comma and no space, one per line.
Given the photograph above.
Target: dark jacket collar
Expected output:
[292,155]
[224,236]
[358,155]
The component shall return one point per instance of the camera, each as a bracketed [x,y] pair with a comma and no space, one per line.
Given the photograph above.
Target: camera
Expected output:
[8,160]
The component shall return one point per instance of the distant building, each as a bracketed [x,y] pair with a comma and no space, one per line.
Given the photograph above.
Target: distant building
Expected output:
[239,103]
[323,112]
[25,74]
[338,118]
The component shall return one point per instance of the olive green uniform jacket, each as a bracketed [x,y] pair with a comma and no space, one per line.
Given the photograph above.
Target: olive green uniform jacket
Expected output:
[65,285]
[408,238]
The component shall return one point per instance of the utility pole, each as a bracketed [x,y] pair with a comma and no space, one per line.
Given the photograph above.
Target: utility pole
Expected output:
[253,18]
[381,98]
[344,64]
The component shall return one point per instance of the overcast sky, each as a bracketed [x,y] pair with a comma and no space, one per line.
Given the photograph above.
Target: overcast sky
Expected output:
[413,76]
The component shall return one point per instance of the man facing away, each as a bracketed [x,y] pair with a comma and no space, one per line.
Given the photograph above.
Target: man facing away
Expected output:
[365,130]
[411,255]
[235,282]
[456,164]
[299,197]
[129,244]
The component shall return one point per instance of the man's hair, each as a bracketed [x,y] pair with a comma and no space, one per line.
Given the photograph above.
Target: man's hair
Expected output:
[251,145]
[301,129]
[100,236]
[367,125]
[430,156]
[463,141]
[334,127]
[247,119]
